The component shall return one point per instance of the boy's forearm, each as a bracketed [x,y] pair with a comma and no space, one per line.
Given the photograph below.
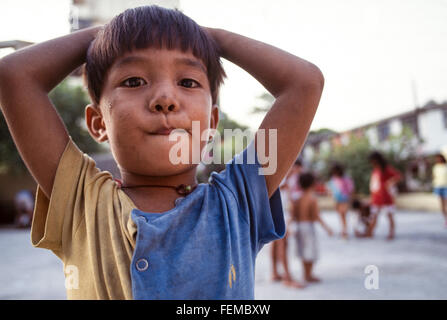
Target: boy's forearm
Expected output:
[49,62]
[274,68]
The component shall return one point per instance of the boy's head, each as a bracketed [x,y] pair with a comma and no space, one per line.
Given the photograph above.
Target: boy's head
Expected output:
[377,160]
[439,158]
[337,170]
[306,181]
[297,166]
[356,204]
[150,27]
[149,71]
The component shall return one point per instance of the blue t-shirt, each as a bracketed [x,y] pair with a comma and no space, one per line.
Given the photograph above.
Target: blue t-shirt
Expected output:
[205,247]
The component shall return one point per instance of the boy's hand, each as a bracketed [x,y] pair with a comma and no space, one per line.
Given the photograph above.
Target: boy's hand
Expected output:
[296,85]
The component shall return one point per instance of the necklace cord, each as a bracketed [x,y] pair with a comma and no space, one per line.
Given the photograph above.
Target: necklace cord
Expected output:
[181,189]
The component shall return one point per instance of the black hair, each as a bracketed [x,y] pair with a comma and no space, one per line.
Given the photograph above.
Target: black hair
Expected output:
[356,204]
[337,170]
[377,157]
[145,27]
[306,180]
[440,156]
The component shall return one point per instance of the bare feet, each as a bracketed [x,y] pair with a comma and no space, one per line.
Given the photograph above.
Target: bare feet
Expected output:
[293,284]
[390,237]
[276,277]
[344,235]
[313,279]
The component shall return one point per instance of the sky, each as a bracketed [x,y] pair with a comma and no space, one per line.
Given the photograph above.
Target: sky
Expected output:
[379,58]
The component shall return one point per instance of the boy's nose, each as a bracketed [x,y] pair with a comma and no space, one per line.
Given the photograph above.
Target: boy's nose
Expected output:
[164,104]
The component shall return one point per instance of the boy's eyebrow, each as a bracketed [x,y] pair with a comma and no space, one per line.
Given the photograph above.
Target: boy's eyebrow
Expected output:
[191,62]
[129,60]
[138,59]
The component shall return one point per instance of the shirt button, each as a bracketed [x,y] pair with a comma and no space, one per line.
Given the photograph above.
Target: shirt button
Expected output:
[142,265]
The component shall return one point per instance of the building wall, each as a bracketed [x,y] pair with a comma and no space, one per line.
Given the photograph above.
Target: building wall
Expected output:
[433,131]
[396,127]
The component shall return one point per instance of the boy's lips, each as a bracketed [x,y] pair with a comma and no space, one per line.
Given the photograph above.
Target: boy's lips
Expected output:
[164,131]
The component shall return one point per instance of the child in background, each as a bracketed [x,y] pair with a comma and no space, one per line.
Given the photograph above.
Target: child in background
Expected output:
[382,183]
[341,188]
[305,213]
[363,226]
[439,173]
[293,187]
[24,206]
[289,190]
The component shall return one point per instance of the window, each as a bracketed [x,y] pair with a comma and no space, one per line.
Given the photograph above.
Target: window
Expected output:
[384,131]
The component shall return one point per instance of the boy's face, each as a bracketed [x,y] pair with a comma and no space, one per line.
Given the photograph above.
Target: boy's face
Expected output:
[148,93]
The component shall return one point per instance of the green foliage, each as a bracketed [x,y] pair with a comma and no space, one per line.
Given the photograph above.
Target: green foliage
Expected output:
[70,101]
[10,160]
[354,158]
[225,122]
[322,131]
[267,101]
[400,148]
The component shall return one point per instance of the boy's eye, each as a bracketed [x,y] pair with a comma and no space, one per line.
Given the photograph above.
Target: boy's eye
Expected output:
[133,82]
[189,83]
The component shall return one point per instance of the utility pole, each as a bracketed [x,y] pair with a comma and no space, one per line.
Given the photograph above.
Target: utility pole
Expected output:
[416,107]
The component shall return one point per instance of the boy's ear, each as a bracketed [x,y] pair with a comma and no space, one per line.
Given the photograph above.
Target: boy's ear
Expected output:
[214,117]
[95,123]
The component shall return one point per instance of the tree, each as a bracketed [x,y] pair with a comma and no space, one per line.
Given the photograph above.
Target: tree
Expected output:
[353,157]
[70,101]
[225,122]
[267,101]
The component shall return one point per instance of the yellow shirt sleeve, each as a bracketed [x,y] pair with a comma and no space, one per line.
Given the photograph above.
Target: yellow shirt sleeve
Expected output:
[87,224]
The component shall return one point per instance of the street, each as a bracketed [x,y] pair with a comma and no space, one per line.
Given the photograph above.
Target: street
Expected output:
[413,266]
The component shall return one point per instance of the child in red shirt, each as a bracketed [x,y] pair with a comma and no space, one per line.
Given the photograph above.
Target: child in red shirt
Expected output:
[382,188]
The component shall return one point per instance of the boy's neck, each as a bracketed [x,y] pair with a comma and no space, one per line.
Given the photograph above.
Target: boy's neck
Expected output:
[156,199]
[187,177]
[307,192]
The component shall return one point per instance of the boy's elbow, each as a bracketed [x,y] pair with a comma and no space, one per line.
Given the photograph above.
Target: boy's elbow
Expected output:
[315,78]
[307,81]
[320,77]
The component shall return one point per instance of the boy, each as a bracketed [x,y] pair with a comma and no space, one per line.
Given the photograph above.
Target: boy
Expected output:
[156,234]
[305,213]
[364,217]
[289,189]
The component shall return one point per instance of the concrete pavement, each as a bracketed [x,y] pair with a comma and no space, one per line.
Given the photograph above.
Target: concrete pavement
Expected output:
[413,266]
